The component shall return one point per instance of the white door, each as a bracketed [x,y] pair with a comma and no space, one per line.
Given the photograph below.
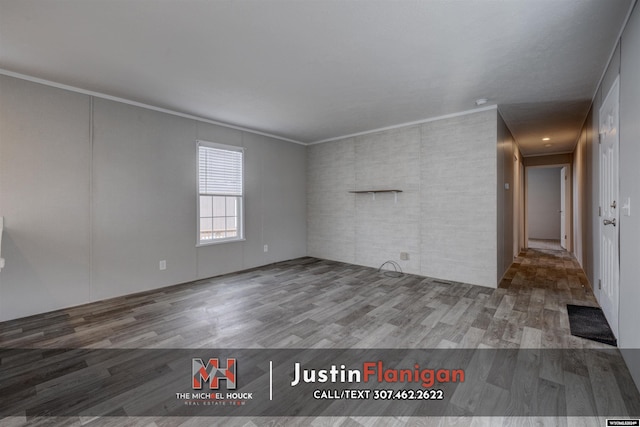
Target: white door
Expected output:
[563,214]
[609,218]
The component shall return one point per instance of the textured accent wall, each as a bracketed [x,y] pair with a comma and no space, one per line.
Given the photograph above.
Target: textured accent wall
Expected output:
[445,218]
[331,208]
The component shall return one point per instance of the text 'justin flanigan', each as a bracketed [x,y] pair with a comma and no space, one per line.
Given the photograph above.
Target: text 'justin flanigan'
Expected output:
[375,371]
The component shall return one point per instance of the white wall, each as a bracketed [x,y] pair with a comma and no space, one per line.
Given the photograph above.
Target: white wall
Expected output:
[445,218]
[543,203]
[95,193]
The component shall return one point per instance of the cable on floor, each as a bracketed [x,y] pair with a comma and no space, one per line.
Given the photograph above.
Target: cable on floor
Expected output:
[397,270]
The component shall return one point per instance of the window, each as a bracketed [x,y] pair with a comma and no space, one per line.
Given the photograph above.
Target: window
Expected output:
[220,193]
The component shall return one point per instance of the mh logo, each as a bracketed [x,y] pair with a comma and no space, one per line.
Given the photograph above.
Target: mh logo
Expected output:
[213,373]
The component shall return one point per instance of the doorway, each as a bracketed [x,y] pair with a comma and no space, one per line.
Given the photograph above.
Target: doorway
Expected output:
[548,207]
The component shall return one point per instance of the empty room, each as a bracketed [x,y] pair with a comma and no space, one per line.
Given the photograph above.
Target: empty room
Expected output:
[319,212]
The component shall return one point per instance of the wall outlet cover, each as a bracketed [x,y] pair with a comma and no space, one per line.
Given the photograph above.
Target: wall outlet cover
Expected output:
[626,207]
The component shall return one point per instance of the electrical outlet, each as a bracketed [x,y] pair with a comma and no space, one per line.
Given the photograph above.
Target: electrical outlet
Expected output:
[266,248]
[404,256]
[163,264]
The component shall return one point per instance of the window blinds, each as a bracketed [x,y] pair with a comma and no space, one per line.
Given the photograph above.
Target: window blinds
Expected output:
[220,171]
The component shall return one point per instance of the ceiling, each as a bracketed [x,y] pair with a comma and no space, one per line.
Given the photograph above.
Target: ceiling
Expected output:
[315,70]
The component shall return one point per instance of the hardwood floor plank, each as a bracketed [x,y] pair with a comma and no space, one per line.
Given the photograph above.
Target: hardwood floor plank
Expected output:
[579,395]
[468,396]
[312,303]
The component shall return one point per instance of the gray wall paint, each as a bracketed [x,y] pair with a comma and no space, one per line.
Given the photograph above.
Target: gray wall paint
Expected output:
[508,198]
[445,218]
[275,204]
[583,179]
[117,204]
[543,203]
[45,169]
[552,160]
[143,199]
[626,63]
[630,188]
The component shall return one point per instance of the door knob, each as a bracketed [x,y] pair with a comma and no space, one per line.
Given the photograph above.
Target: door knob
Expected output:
[607,222]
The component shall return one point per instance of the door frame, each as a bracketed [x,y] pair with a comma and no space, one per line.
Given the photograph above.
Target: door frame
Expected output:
[564,173]
[518,206]
[613,317]
[568,201]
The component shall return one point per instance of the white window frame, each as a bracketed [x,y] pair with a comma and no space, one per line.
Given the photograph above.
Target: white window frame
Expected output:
[240,209]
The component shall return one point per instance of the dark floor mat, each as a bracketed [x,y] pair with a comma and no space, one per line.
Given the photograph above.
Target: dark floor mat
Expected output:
[590,323]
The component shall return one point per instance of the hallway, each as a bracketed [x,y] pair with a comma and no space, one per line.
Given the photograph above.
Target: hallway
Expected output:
[553,244]
[538,287]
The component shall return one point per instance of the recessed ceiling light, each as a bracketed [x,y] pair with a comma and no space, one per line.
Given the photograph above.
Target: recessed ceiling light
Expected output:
[548,145]
[546,138]
[481,101]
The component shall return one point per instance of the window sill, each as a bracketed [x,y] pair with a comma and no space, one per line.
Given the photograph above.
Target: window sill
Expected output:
[218,242]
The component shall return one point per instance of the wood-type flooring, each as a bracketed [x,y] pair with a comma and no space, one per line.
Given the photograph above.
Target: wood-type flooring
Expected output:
[313,303]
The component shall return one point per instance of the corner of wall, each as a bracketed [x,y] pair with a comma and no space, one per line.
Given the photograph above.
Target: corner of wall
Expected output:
[507,189]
